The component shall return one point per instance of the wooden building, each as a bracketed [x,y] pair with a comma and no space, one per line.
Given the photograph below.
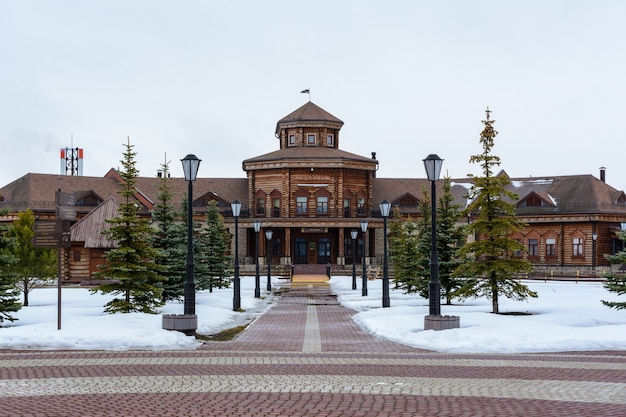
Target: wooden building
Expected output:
[311,195]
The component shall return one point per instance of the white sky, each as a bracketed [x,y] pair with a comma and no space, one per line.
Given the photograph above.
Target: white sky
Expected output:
[408,78]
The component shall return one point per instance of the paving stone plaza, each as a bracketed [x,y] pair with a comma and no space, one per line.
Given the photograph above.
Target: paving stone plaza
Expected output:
[306,357]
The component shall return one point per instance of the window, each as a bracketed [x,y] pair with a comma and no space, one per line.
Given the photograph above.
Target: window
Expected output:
[533,247]
[260,206]
[360,206]
[518,253]
[550,247]
[330,140]
[534,201]
[300,205]
[322,205]
[577,247]
[292,140]
[310,139]
[276,207]
[276,247]
[346,207]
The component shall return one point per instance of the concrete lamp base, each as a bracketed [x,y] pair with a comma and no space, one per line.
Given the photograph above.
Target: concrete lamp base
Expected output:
[186,323]
[441,322]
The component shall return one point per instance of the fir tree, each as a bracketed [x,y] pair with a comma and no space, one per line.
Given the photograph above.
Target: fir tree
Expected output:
[9,294]
[213,264]
[450,238]
[170,238]
[404,256]
[34,266]
[616,283]
[491,260]
[132,268]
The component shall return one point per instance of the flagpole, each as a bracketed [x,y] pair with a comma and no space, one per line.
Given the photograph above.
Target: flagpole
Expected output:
[307,91]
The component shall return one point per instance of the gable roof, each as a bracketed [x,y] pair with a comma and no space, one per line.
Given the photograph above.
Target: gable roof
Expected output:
[90,228]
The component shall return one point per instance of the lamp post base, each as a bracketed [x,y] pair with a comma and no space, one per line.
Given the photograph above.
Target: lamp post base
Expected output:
[441,322]
[186,323]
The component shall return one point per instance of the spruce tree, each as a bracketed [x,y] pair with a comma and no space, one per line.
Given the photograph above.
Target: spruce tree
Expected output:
[404,257]
[616,283]
[170,239]
[34,266]
[213,265]
[424,243]
[450,239]
[491,261]
[132,268]
[9,293]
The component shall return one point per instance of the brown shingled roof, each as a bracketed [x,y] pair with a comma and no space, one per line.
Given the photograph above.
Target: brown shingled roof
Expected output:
[309,152]
[37,191]
[309,112]
[569,194]
[227,189]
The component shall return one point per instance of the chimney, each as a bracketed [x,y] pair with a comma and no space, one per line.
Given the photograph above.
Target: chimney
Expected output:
[603,174]
[374,158]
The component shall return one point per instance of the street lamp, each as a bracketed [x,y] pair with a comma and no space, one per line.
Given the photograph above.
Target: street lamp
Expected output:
[385,208]
[364,286]
[257,279]
[354,233]
[433,164]
[190,168]
[236,207]
[268,236]
[594,237]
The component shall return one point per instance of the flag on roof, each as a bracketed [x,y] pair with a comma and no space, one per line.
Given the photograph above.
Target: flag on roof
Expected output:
[307,91]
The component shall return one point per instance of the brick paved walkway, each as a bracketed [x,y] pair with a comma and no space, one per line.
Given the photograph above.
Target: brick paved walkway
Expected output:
[305,357]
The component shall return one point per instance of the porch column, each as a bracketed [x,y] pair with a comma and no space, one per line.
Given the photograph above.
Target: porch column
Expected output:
[341,260]
[286,259]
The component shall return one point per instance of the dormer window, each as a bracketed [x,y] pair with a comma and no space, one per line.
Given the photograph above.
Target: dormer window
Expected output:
[310,139]
[292,140]
[330,140]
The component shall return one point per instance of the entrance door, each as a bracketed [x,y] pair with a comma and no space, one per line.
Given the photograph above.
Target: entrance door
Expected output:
[323,251]
[300,251]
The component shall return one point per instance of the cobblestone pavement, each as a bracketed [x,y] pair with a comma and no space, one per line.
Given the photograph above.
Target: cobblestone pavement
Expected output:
[305,357]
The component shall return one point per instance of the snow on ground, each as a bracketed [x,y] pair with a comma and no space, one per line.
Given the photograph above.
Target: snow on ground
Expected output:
[567,316]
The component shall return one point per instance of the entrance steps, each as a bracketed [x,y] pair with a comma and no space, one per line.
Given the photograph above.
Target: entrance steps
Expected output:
[309,273]
[309,278]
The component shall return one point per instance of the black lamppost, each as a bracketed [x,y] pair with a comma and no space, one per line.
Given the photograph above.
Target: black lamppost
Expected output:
[433,164]
[257,279]
[268,236]
[385,208]
[364,286]
[190,168]
[236,207]
[354,234]
[594,238]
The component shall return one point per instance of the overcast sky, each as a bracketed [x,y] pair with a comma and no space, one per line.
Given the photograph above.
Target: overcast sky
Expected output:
[408,78]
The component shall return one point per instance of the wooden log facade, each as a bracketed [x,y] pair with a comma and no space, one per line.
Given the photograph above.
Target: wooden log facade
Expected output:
[312,195]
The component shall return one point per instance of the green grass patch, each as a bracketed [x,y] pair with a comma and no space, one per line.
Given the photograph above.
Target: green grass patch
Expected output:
[224,335]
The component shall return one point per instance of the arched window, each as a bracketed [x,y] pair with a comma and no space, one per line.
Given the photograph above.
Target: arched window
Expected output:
[276,198]
[259,202]
[301,202]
